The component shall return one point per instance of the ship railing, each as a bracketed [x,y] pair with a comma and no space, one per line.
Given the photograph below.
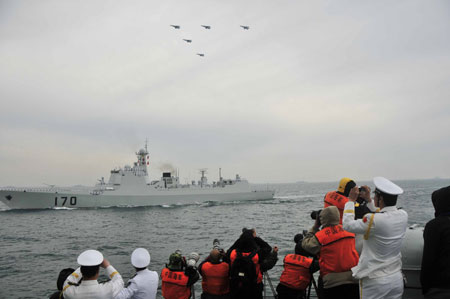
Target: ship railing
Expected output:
[31,189]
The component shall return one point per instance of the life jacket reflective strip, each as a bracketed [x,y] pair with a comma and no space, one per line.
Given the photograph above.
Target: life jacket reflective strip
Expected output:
[255,260]
[335,199]
[337,253]
[215,279]
[174,284]
[296,272]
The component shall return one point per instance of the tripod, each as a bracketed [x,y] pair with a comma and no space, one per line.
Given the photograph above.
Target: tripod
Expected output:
[312,282]
[266,275]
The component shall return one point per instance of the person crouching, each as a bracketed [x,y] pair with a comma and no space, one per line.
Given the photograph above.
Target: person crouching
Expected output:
[296,275]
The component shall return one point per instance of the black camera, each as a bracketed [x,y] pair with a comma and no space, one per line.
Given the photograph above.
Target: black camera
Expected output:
[315,214]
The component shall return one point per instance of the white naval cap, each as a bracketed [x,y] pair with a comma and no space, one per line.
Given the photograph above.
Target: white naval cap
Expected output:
[90,258]
[140,258]
[386,186]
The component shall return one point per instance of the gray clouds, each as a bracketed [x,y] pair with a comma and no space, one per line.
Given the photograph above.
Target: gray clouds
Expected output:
[313,91]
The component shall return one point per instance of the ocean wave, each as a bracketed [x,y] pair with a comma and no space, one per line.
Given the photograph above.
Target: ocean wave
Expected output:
[63,208]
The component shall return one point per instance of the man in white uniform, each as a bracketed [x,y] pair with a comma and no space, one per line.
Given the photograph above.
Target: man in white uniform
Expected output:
[90,262]
[145,283]
[379,266]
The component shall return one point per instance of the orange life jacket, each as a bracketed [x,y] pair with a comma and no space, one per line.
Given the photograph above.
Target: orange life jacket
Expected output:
[296,271]
[174,284]
[255,260]
[338,253]
[215,279]
[335,199]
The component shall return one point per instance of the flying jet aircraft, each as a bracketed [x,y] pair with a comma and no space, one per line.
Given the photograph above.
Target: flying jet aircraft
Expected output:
[176,26]
[245,27]
[201,54]
[206,26]
[188,40]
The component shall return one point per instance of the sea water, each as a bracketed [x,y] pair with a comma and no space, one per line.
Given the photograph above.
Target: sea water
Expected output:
[35,245]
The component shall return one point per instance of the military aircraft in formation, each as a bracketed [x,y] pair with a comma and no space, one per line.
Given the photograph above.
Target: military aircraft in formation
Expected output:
[206,27]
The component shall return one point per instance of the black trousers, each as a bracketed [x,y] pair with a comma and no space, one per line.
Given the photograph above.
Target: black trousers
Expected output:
[344,291]
[248,292]
[285,292]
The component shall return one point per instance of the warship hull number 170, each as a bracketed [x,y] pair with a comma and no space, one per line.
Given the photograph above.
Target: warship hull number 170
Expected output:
[131,186]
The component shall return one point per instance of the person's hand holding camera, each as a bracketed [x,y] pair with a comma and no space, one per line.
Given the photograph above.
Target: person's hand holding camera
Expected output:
[364,193]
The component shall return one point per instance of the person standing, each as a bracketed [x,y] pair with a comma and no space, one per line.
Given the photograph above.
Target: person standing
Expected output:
[339,197]
[379,268]
[435,273]
[337,254]
[177,278]
[250,257]
[90,262]
[215,276]
[144,284]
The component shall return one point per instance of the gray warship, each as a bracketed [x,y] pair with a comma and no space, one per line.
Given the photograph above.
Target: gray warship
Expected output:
[131,186]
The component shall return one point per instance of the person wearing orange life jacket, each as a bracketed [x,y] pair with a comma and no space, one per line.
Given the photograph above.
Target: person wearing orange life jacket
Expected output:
[215,276]
[246,249]
[340,197]
[297,272]
[335,248]
[177,278]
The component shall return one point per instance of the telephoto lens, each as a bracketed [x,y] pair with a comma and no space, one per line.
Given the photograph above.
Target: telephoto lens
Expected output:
[192,259]
[315,214]
[216,244]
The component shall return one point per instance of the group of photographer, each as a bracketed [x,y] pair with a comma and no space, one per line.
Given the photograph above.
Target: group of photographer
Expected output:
[370,268]
[355,242]
[237,273]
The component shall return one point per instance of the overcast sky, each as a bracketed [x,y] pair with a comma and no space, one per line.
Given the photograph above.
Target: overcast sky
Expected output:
[314,90]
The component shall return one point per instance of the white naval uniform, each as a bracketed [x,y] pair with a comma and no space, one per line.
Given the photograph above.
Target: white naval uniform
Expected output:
[380,262]
[91,289]
[143,285]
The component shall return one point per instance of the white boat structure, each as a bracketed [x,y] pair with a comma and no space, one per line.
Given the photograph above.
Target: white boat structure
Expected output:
[131,186]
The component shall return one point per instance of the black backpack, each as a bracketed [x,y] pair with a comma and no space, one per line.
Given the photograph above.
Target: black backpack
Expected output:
[243,273]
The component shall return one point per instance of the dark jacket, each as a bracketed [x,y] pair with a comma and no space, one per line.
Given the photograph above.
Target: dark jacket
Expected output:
[435,271]
[248,243]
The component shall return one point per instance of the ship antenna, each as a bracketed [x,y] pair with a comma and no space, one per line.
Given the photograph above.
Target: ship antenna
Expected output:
[146,141]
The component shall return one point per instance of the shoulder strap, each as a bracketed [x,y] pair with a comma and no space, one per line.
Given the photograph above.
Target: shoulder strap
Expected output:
[251,255]
[366,235]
